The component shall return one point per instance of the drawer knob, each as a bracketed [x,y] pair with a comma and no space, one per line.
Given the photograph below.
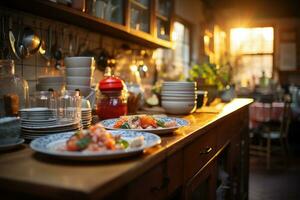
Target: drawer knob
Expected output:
[205,151]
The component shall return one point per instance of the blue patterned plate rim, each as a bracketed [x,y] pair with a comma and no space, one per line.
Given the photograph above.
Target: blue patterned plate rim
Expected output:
[108,124]
[47,145]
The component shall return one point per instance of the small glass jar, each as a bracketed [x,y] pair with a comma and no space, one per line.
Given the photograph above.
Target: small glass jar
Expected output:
[112,100]
[14,93]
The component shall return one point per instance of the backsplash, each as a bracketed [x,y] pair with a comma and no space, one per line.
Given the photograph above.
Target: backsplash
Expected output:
[36,65]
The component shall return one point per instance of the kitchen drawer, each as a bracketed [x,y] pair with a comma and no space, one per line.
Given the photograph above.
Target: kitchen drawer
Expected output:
[199,152]
[152,185]
[230,127]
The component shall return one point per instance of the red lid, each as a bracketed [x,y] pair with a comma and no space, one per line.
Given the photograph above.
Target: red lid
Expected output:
[111,83]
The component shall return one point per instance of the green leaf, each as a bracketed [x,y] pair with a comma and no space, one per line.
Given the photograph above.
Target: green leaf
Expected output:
[160,123]
[123,143]
[125,126]
[83,143]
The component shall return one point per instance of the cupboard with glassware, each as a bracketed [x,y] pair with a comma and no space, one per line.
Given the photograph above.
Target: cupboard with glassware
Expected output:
[144,22]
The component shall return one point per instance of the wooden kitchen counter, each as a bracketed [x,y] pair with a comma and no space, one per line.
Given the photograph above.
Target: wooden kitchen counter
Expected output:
[23,172]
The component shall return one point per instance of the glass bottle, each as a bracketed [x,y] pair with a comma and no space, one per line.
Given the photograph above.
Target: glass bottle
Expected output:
[14,93]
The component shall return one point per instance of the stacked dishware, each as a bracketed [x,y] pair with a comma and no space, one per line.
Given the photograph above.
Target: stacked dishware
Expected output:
[86,117]
[179,97]
[56,114]
[50,82]
[41,121]
[79,73]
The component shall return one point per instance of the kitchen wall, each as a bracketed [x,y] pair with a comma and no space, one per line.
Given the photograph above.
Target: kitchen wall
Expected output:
[33,67]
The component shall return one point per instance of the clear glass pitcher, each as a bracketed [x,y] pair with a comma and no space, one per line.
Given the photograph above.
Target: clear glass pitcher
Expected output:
[14,93]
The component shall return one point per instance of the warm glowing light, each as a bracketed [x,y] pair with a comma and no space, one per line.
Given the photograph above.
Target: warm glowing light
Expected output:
[145,68]
[133,68]
[251,40]
[162,31]
[206,40]
[174,36]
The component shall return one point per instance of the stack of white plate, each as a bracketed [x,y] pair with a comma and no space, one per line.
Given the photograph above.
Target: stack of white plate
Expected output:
[79,73]
[50,82]
[37,122]
[86,117]
[179,97]
[37,113]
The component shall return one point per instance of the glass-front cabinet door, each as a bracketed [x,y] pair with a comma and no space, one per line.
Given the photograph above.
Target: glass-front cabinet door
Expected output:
[163,13]
[109,10]
[140,12]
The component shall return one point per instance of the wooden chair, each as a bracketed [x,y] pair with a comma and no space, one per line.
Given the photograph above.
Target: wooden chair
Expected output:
[271,132]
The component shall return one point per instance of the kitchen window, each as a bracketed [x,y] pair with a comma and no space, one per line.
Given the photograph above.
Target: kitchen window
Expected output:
[174,64]
[253,52]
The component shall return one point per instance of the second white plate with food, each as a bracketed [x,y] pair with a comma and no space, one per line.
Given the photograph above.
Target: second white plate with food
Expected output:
[157,125]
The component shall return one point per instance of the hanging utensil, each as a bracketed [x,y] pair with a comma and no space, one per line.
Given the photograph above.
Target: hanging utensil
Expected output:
[57,50]
[71,46]
[102,60]
[12,39]
[43,47]
[47,55]
[29,43]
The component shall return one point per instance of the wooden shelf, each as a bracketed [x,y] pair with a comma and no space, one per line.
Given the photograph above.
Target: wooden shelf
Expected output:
[69,15]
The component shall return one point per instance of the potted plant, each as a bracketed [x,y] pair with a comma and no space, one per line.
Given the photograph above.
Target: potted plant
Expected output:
[212,78]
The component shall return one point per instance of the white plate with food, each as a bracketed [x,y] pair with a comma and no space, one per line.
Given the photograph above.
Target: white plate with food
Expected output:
[96,143]
[149,123]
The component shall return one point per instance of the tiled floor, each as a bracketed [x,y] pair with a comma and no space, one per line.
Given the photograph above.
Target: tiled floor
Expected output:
[278,183]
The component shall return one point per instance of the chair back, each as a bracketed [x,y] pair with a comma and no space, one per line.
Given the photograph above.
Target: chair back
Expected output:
[286,119]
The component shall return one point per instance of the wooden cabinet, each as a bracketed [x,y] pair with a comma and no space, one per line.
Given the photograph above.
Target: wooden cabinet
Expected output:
[206,160]
[212,166]
[220,169]
[135,21]
[203,184]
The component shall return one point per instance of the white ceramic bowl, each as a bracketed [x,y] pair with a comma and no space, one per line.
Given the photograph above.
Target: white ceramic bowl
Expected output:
[176,88]
[88,71]
[178,95]
[51,79]
[179,107]
[84,90]
[183,98]
[79,62]
[179,92]
[79,80]
[179,83]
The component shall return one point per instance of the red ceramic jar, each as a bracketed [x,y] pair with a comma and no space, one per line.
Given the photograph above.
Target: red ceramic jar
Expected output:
[112,102]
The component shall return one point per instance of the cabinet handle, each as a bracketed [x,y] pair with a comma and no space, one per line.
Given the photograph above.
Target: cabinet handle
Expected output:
[205,151]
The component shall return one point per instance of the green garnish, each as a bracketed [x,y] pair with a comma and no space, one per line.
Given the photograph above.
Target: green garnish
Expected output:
[160,123]
[83,142]
[123,143]
[125,126]
[77,133]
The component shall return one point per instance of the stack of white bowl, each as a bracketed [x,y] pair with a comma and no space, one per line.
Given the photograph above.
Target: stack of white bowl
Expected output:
[50,82]
[79,73]
[179,97]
